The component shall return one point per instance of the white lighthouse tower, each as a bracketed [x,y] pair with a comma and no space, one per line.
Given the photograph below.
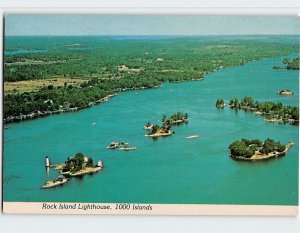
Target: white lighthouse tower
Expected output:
[47,162]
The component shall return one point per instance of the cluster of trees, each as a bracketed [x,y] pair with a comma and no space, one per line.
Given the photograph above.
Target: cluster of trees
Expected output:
[51,100]
[162,129]
[292,64]
[220,103]
[245,103]
[77,163]
[176,118]
[270,109]
[246,148]
[167,122]
[271,145]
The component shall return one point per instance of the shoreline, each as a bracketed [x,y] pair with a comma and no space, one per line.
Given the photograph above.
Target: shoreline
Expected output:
[39,114]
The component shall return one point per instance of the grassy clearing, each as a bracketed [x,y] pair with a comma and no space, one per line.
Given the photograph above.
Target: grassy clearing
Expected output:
[35,85]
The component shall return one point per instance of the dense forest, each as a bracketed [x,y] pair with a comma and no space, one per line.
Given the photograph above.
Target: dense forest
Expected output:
[107,65]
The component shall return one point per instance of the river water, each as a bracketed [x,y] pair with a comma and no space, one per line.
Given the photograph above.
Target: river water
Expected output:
[167,170]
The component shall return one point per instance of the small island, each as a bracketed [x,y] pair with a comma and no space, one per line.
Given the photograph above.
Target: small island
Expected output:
[60,180]
[167,122]
[159,131]
[285,92]
[175,119]
[79,165]
[220,103]
[252,150]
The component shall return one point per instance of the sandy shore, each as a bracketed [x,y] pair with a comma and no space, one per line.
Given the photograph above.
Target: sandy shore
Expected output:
[274,119]
[54,183]
[159,134]
[178,121]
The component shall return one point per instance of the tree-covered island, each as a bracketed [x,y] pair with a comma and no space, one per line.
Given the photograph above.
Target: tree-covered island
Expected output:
[252,150]
[78,165]
[167,122]
[285,92]
[159,131]
[175,119]
[220,103]
[273,112]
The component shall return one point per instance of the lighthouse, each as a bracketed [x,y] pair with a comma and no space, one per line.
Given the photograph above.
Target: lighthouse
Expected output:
[47,162]
[99,164]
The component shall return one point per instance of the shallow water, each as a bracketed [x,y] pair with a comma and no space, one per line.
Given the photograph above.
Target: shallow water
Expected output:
[167,170]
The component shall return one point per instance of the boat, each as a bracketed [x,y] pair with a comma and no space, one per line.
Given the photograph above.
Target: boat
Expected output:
[192,136]
[60,180]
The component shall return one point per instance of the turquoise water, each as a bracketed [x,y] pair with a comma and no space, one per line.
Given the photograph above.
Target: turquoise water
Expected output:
[166,170]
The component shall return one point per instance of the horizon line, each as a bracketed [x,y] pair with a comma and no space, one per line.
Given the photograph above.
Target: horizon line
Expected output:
[179,35]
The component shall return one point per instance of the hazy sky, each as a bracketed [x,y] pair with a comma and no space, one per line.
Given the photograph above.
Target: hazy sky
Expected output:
[64,24]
